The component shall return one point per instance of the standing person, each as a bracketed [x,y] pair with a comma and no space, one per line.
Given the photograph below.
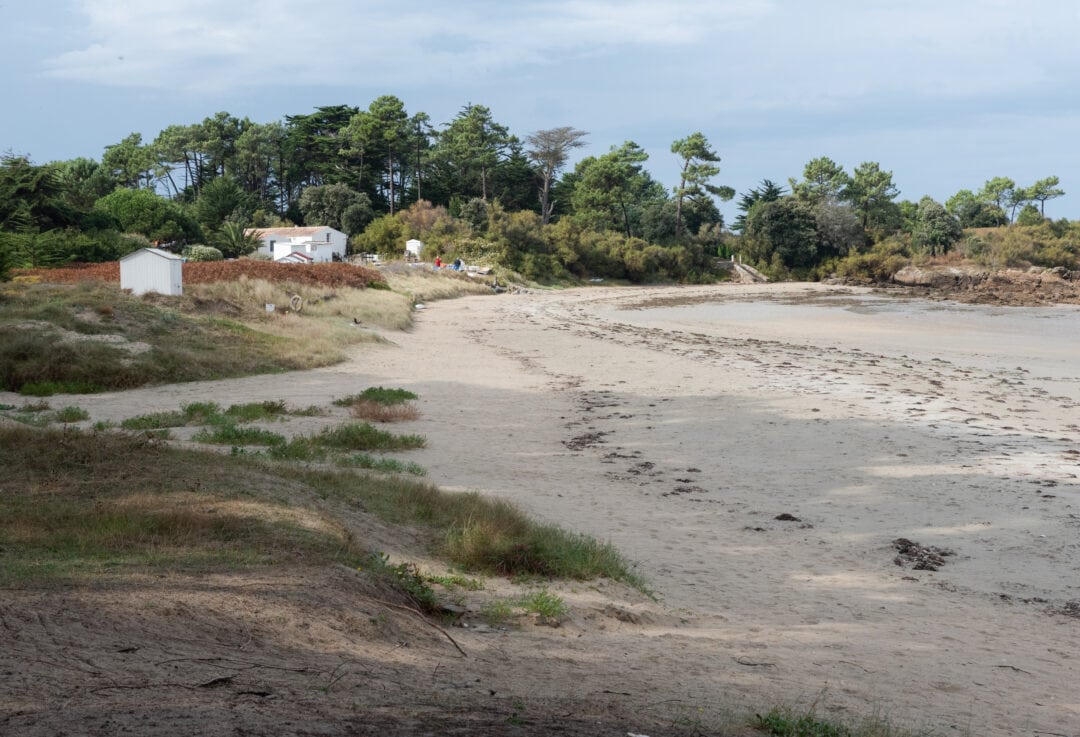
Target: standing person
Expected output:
[438,262]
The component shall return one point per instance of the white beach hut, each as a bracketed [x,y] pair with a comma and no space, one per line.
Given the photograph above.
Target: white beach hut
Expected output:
[152,270]
[413,249]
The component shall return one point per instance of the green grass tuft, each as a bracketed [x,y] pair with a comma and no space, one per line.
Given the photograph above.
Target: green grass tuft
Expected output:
[154,421]
[210,413]
[406,577]
[792,723]
[70,414]
[388,465]
[256,411]
[379,395]
[233,435]
[546,604]
[364,436]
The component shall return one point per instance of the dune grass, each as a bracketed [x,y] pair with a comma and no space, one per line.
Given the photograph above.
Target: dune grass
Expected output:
[386,465]
[378,395]
[348,307]
[210,413]
[77,504]
[482,534]
[423,285]
[40,414]
[91,337]
[317,447]
[364,436]
[379,404]
[234,435]
[789,722]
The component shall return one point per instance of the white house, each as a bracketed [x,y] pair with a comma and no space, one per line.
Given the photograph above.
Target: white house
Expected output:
[152,270]
[319,243]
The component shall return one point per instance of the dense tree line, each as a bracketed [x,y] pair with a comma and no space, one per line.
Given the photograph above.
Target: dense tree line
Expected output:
[472,189]
[811,226]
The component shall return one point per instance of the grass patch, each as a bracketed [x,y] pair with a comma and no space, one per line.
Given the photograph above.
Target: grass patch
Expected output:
[92,337]
[783,724]
[350,437]
[497,611]
[298,449]
[70,414]
[457,581]
[210,413]
[480,534]
[28,414]
[420,285]
[330,306]
[76,505]
[792,723]
[378,395]
[234,435]
[387,465]
[406,577]
[155,420]
[49,388]
[379,404]
[256,411]
[546,604]
[363,436]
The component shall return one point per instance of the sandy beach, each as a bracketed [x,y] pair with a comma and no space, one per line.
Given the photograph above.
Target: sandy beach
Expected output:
[758,451]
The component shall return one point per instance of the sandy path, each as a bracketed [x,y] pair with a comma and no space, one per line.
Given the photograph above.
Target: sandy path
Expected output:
[682,442]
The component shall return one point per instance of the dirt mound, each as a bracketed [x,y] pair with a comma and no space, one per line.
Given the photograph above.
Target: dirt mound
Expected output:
[204,272]
[305,652]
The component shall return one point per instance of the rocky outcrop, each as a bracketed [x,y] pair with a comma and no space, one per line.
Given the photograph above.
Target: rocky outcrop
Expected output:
[1034,286]
[947,277]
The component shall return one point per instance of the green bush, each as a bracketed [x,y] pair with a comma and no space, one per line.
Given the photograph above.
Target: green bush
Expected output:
[202,253]
[878,265]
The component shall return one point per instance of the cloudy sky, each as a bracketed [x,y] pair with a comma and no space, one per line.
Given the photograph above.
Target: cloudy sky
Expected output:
[944,93]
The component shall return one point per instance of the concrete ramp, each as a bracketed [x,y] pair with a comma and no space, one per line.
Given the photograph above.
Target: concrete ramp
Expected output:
[749,275]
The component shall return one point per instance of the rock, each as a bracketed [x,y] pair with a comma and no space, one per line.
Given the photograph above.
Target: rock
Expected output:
[949,277]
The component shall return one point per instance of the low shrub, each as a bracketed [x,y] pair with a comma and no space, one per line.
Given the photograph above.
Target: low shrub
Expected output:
[363,436]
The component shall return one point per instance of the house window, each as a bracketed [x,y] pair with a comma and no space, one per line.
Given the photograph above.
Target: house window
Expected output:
[327,237]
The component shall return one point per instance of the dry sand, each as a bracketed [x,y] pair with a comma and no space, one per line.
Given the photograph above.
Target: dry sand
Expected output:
[758,463]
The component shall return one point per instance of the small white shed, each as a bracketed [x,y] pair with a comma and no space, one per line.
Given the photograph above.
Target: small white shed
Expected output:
[413,249]
[152,270]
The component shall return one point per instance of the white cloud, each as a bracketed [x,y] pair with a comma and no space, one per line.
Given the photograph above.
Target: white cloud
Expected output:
[195,43]
[688,62]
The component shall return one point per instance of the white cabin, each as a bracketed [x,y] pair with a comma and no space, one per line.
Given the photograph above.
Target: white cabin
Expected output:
[413,249]
[152,270]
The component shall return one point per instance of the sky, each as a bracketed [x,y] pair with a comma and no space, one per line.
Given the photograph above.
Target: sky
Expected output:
[946,94]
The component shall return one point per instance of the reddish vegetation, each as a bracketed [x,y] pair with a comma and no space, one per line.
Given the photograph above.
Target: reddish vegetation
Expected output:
[327,275]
